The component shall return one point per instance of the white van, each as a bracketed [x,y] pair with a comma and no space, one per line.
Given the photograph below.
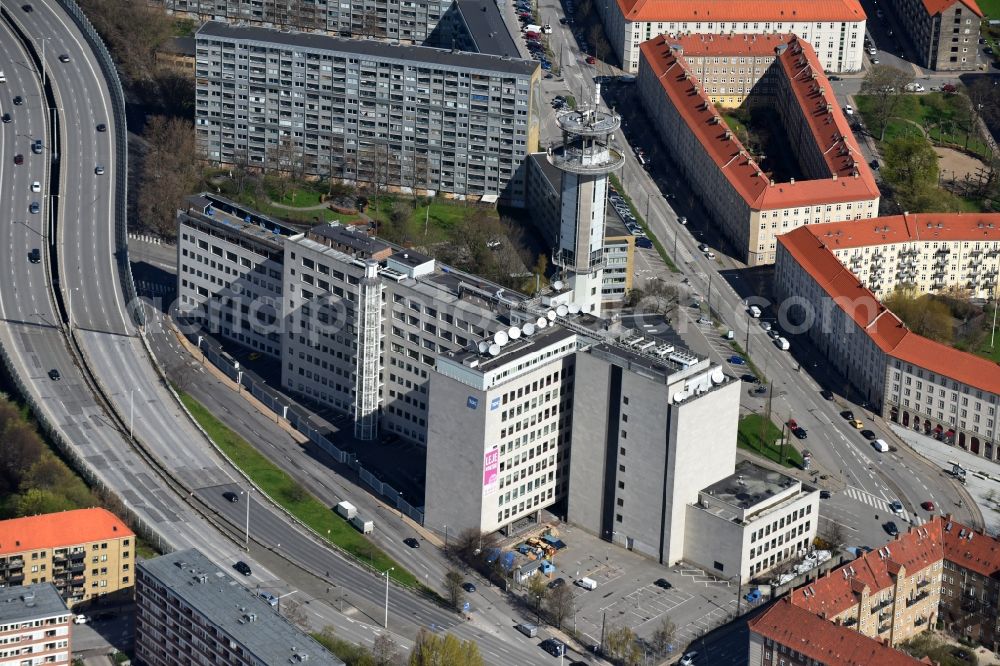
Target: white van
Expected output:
[587,583]
[754,311]
[3,77]
[782,343]
[881,446]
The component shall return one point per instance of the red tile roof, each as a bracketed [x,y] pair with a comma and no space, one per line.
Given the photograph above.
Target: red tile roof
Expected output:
[741,10]
[850,179]
[728,45]
[935,7]
[886,330]
[822,640]
[910,227]
[55,530]
[972,550]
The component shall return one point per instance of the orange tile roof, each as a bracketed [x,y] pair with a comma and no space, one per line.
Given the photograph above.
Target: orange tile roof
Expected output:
[55,530]
[972,550]
[741,10]
[935,7]
[850,179]
[822,640]
[728,45]
[885,329]
[910,227]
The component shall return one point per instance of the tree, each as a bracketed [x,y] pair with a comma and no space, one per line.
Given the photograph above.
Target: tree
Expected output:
[453,586]
[835,535]
[37,501]
[350,653]
[21,449]
[433,650]
[560,604]
[664,635]
[910,164]
[170,172]
[924,315]
[620,645]
[537,591]
[384,650]
[886,85]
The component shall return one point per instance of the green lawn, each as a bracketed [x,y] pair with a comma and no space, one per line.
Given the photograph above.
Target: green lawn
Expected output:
[749,438]
[293,497]
[936,113]
[990,7]
[987,352]
[733,123]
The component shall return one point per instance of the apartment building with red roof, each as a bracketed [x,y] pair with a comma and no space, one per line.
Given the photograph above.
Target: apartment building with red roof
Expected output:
[917,382]
[750,206]
[85,553]
[835,28]
[970,584]
[945,33]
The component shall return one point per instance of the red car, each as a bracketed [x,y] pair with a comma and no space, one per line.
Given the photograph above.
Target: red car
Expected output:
[792,425]
[591,60]
[927,506]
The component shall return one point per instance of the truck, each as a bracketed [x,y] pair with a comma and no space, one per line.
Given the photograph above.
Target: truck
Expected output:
[362,525]
[528,630]
[754,311]
[783,344]
[347,510]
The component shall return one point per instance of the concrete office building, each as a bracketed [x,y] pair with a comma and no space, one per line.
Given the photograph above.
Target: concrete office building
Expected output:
[229,275]
[381,19]
[405,118]
[753,208]
[945,33]
[35,627]
[835,28]
[648,434]
[85,553]
[189,611]
[931,387]
[750,522]
[500,422]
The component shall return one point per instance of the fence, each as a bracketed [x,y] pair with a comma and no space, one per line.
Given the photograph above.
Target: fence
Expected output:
[300,418]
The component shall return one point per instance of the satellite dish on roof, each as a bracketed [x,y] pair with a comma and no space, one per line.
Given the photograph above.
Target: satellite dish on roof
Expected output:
[718,376]
[562,310]
[557,285]
[574,308]
[551,314]
[679,396]
[543,322]
[528,329]
[494,350]
[483,346]
[514,332]
[501,338]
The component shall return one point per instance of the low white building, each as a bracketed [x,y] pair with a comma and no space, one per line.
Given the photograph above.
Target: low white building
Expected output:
[750,522]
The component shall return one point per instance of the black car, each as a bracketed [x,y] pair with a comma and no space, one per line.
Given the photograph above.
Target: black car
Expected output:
[19,159]
[231,496]
[663,582]
[63,58]
[35,255]
[825,494]
[54,375]
[833,77]
[869,435]
[469,587]
[411,542]
[827,394]
[891,529]
[873,164]
[848,414]
[102,128]
[800,432]
[27,8]
[7,118]
[750,379]
[553,647]
[242,567]
[18,100]
[558,582]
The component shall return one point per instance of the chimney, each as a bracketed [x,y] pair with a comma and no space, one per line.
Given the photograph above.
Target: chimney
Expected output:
[835,176]
[791,181]
[728,135]
[772,182]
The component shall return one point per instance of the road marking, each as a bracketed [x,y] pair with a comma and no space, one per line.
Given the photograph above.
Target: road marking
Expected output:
[880,503]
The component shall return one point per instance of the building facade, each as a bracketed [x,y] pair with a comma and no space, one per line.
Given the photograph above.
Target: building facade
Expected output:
[504,411]
[84,553]
[188,611]
[648,434]
[751,522]
[404,118]
[752,208]
[945,33]
[382,19]
[229,275]
[835,29]
[35,626]
[922,384]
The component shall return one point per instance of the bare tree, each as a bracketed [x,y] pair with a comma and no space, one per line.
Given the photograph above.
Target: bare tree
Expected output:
[560,605]
[453,585]
[620,645]
[886,85]
[664,635]
[170,172]
[384,650]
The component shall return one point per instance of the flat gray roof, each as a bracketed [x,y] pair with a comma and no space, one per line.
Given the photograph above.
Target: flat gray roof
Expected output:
[238,612]
[515,349]
[349,237]
[237,218]
[749,485]
[21,603]
[486,25]
[412,56]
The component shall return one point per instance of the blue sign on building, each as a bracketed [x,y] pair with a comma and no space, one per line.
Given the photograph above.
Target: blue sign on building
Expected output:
[494,404]
[472,402]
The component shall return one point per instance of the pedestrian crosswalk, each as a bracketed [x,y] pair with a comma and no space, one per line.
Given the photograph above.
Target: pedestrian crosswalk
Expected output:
[881,504]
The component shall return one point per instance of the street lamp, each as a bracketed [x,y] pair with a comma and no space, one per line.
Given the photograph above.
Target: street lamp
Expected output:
[247,542]
[386,574]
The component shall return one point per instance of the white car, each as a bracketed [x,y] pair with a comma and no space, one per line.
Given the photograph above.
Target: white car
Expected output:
[80,619]
[36,186]
[897,507]
[848,109]
[765,325]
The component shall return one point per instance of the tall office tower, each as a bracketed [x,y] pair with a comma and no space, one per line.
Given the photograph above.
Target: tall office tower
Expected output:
[586,158]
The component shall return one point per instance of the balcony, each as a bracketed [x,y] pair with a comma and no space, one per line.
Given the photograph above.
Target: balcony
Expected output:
[923,583]
[942,251]
[882,628]
[917,598]
[880,606]
[920,621]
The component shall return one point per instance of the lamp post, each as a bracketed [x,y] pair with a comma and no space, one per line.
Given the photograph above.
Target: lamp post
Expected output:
[246,543]
[131,411]
[386,574]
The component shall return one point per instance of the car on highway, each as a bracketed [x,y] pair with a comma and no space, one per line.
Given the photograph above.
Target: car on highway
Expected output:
[411,542]
[554,647]
[99,170]
[800,432]
[857,423]
[896,507]
[27,8]
[63,57]
[469,587]
[869,435]
[558,582]
[54,374]
[702,247]
[19,159]
[36,186]
[230,496]
[750,379]
[101,127]
[7,118]
[890,528]
[243,568]
[827,394]
[662,583]
[35,255]
[18,100]
[34,208]
[36,146]
[927,506]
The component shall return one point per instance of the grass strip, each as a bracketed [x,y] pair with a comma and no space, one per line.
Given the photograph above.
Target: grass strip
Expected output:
[645,227]
[749,438]
[284,490]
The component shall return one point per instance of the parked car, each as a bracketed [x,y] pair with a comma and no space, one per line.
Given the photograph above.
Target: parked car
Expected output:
[890,528]
[469,587]
[79,619]
[827,394]
[591,60]
[857,423]
[848,109]
[825,494]
[643,242]
[800,433]
[688,658]
[848,414]
[792,424]
[663,583]
[869,435]
[558,582]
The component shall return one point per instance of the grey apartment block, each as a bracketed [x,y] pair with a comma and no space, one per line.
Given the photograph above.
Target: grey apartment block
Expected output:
[373,19]
[229,275]
[406,118]
[945,33]
[188,611]
[476,26]
[648,435]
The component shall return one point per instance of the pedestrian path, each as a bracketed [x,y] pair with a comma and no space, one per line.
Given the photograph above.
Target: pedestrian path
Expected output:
[881,504]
